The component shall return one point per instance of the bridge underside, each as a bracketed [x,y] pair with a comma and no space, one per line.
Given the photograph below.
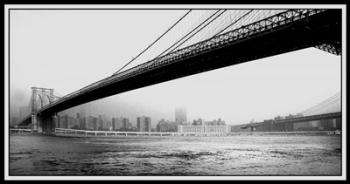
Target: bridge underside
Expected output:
[313,31]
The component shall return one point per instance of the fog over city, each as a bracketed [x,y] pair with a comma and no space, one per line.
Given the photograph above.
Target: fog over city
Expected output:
[45,53]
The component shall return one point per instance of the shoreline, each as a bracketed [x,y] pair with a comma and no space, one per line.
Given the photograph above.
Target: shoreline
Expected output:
[319,133]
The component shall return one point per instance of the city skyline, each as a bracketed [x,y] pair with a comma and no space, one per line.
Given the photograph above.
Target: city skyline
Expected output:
[332,103]
[329,105]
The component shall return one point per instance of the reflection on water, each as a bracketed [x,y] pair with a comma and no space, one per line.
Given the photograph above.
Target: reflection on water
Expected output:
[132,156]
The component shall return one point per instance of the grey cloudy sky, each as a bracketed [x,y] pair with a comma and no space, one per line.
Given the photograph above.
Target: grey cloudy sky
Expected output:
[67,50]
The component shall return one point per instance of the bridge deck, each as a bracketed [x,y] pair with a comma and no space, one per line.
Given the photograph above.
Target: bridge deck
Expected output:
[283,32]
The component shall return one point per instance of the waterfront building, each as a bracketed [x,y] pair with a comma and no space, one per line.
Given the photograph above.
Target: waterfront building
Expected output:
[215,122]
[66,121]
[133,129]
[109,125]
[72,123]
[63,121]
[126,125]
[81,121]
[100,122]
[105,123]
[121,124]
[239,128]
[198,122]
[204,130]
[91,123]
[180,115]
[144,124]
[166,126]
[116,123]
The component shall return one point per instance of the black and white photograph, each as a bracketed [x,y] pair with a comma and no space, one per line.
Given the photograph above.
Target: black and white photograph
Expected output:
[175,92]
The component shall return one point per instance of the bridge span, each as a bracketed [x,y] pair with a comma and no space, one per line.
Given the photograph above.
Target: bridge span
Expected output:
[284,32]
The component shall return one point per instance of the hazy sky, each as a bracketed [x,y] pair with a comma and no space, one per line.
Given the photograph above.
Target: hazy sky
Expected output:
[67,50]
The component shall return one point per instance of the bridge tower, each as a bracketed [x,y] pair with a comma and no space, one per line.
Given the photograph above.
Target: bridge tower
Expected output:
[42,124]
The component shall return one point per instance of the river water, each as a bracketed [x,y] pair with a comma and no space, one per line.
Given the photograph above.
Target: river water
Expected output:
[175,156]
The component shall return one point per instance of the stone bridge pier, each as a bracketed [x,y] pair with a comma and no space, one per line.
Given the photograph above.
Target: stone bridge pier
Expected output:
[44,124]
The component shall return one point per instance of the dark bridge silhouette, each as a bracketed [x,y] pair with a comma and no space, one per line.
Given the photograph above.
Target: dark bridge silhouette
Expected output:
[284,32]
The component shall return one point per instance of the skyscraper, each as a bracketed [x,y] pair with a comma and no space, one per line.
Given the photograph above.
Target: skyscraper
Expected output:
[144,124]
[81,121]
[126,125]
[180,116]
[63,121]
[121,123]
[100,122]
[115,123]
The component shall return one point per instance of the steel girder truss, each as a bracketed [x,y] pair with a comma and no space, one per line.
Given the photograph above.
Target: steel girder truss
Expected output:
[331,47]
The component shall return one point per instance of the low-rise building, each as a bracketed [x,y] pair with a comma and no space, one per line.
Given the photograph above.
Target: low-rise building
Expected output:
[204,130]
[166,126]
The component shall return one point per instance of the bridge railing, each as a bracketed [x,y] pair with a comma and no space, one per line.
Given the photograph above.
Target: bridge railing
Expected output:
[20,130]
[264,25]
[105,133]
[75,132]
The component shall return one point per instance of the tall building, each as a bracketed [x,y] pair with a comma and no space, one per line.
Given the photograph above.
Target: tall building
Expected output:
[109,125]
[91,123]
[126,125]
[121,124]
[116,123]
[180,116]
[102,124]
[144,124]
[95,123]
[63,121]
[72,123]
[81,121]
[66,121]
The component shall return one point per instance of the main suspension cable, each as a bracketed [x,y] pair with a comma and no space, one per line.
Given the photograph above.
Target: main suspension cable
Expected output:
[154,41]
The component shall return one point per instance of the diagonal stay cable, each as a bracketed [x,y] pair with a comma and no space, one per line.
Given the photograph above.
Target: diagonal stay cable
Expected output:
[233,23]
[154,41]
[188,34]
[219,31]
[199,30]
[208,24]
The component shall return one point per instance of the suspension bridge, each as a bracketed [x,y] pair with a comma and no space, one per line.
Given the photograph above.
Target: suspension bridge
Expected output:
[218,38]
